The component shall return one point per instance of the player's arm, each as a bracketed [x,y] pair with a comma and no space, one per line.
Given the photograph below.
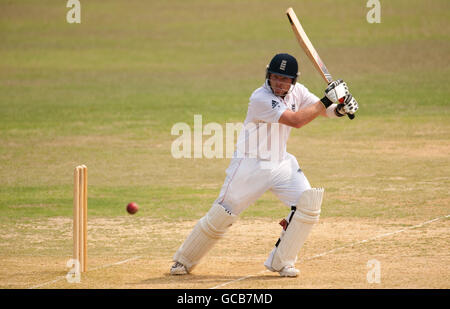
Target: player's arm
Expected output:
[303,116]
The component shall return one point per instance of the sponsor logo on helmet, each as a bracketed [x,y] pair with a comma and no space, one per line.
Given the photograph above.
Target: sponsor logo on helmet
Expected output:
[283,65]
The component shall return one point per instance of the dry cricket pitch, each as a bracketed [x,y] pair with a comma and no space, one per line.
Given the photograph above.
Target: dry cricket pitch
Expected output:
[134,253]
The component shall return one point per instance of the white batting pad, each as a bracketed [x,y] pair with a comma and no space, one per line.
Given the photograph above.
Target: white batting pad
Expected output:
[292,240]
[205,234]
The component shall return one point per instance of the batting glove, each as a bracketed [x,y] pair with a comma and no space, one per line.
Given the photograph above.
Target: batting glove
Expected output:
[335,91]
[350,106]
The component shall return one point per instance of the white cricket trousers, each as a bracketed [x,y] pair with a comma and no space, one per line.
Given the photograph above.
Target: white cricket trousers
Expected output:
[248,178]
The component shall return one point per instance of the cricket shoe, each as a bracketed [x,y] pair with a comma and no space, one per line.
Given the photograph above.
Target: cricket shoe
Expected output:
[289,271]
[178,269]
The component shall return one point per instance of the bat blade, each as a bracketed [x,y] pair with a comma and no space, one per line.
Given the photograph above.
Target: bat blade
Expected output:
[309,49]
[307,46]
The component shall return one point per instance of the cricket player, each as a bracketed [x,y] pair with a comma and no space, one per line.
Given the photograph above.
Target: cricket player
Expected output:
[261,163]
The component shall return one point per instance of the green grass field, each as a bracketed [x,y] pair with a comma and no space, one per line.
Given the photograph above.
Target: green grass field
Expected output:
[107,92]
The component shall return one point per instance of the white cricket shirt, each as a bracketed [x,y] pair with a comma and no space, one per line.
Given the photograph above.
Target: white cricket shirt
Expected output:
[262,136]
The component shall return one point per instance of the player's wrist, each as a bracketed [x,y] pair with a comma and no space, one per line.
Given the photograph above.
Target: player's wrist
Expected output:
[326,102]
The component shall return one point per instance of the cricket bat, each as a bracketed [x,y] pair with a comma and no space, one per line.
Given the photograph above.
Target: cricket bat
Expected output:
[309,49]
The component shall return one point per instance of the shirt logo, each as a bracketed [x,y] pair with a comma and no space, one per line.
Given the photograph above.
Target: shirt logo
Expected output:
[293,107]
[283,65]
[275,104]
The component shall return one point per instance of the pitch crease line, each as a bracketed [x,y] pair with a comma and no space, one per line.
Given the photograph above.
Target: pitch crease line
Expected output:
[89,270]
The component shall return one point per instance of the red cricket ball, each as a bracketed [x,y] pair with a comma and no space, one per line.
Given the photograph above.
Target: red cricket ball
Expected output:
[132,208]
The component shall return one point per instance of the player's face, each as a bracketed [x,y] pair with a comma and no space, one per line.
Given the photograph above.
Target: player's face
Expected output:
[280,84]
